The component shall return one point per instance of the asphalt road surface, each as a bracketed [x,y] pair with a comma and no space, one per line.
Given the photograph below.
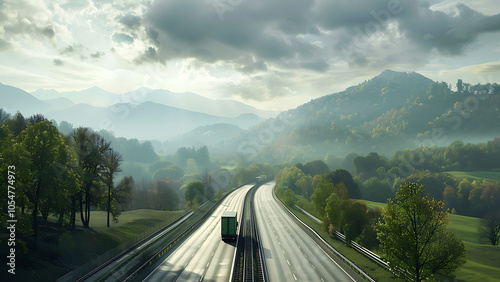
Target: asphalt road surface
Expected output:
[203,256]
[290,253]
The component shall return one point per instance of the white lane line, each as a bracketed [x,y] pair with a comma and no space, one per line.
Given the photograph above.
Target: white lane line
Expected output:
[294,277]
[283,251]
[313,266]
[305,255]
[288,262]
[322,280]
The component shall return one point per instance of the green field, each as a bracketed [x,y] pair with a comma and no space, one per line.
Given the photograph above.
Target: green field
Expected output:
[477,175]
[61,250]
[483,260]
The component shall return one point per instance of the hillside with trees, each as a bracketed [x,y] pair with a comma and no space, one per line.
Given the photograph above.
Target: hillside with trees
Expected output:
[393,111]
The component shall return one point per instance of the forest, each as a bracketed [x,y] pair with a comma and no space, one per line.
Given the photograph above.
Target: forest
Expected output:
[65,172]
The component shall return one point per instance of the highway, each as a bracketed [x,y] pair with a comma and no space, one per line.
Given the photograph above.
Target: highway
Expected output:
[203,256]
[290,254]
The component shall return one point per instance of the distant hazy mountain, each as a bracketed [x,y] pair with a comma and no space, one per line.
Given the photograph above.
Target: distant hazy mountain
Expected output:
[94,96]
[194,102]
[13,99]
[145,121]
[189,101]
[208,135]
[59,103]
[394,110]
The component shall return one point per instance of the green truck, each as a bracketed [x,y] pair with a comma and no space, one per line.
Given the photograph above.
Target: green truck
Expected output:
[229,224]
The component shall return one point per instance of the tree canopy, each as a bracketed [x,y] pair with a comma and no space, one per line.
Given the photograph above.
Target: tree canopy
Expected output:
[413,236]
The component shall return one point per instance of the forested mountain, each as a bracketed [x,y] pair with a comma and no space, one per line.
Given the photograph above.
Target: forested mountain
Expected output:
[392,111]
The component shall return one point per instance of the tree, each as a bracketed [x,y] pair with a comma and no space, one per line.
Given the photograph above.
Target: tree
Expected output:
[203,156]
[490,227]
[353,221]
[65,127]
[333,210]
[4,116]
[172,171]
[111,165]
[315,167]
[166,194]
[195,190]
[120,195]
[460,86]
[324,188]
[17,124]
[90,148]
[342,175]
[45,149]
[413,236]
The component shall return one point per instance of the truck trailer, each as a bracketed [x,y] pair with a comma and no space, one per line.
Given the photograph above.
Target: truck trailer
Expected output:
[229,224]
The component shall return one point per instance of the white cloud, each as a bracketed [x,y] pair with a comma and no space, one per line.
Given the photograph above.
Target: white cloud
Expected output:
[268,53]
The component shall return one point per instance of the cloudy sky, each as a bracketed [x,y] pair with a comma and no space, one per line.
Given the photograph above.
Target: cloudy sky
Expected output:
[273,54]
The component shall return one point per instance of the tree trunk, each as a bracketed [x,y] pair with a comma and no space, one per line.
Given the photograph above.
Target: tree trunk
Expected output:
[87,208]
[81,210]
[109,202]
[73,212]
[35,212]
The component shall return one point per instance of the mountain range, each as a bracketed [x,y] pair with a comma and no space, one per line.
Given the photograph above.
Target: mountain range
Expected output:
[98,97]
[144,113]
[392,111]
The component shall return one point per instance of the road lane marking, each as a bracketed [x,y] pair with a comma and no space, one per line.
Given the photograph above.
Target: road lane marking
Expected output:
[294,277]
[288,262]
[313,266]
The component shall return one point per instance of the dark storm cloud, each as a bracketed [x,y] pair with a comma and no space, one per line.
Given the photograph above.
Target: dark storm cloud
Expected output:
[150,55]
[132,22]
[275,32]
[265,29]
[429,29]
[123,38]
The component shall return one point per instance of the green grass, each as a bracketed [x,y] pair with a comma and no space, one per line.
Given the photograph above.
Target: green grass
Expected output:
[61,250]
[477,175]
[483,259]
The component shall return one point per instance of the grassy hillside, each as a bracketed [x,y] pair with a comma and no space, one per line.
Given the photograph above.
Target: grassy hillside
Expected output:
[61,250]
[483,260]
[477,175]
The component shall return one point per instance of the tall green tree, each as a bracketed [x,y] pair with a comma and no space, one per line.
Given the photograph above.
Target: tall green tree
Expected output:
[324,188]
[17,124]
[413,236]
[46,151]
[90,148]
